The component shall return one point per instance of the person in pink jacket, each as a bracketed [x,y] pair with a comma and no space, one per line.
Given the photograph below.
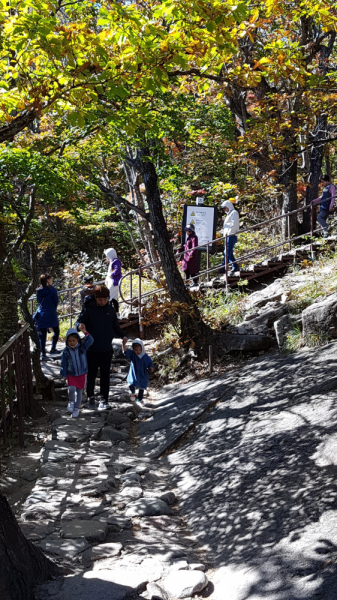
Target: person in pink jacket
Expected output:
[190,258]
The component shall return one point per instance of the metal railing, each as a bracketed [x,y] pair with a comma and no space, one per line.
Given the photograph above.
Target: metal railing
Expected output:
[16,383]
[71,303]
[288,241]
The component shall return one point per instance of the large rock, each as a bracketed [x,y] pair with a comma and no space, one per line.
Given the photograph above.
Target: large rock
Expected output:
[65,548]
[155,592]
[183,584]
[321,318]
[109,433]
[233,343]
[282,326]
[93,531]
[147,507]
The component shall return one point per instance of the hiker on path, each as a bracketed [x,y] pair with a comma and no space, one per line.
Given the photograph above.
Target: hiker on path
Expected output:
[45,317]
[74,366]
[190,258]
[141,364]
[326,203]
[100,320]
[114,276]
[88,289]
[230,228]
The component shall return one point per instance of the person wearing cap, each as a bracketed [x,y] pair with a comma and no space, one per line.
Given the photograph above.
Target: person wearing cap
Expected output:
[100,320]
[114,276]
[230,228]
[190,258]
[88,289]
[326,203]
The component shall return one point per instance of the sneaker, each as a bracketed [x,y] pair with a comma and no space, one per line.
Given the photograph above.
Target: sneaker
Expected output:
[133,397]
[140,402]
[76,413]
[91,403]
[54,351]
[70,407]
[103,405]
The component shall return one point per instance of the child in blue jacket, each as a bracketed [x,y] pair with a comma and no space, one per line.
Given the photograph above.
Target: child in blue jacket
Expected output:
[141,363]
[74,366]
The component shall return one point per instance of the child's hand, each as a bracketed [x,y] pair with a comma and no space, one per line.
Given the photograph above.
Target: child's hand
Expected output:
[124,346]
[82,327]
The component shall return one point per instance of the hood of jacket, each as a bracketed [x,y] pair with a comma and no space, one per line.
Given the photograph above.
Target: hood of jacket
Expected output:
[228,204]
[138,341]
[110,253]
[72,331]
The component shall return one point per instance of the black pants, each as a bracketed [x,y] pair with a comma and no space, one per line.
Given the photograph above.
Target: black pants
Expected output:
[103,361]
[140,391]
[43,337]
[192,276]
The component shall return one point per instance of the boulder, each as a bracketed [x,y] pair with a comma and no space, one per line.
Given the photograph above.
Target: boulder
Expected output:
[155,592]
[282,326]
[147,507]
[321,318]
[109,433]
[93,531]
[183,584]
[233,343]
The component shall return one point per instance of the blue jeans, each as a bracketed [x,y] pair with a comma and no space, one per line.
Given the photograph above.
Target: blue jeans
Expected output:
[322,217]
[231,241]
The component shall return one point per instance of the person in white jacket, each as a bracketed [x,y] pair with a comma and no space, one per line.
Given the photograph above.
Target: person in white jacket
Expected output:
[230,228]
[114,276]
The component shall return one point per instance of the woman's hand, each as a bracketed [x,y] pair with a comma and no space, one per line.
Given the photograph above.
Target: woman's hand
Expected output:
[82,327]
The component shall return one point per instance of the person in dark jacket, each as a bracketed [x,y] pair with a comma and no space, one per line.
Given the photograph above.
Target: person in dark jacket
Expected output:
[190,258]
[46,315]
[101,322]
[326,203]
[88,289]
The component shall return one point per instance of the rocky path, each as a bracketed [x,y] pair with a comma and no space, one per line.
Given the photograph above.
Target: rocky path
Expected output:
[253,457]
[105,511]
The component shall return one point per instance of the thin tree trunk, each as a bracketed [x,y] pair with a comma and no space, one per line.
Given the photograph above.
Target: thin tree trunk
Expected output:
[193,330]
[288,180]
[9,316]
[316,161]
[22,564]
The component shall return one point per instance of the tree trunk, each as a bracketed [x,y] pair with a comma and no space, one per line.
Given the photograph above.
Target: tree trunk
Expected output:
[288,180]
[193,330]
[316,161]
[22,564]
[9,316]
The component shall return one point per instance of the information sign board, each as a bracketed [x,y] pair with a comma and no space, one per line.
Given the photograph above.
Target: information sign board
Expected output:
[204,220]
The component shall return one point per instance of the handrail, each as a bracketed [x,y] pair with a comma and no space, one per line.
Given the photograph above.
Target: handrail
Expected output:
[208,270]
[13,339]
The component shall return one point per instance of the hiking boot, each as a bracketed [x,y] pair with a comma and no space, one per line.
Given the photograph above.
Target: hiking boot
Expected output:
[70,407]
[103,405]
[76,413]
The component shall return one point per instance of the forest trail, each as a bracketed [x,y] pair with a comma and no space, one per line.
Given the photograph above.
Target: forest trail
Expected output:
[241,469]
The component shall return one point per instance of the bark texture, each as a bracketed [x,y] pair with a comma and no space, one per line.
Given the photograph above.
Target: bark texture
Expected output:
[193,329]
[22,565]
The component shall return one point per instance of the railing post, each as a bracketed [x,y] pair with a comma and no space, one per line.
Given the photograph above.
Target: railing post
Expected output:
[226,260]
[140,302]
[312,231]
[131,291]
[207,260]
[210,358]
[3,402]
[18,385]
[71,308]
[288,221]
[10,386]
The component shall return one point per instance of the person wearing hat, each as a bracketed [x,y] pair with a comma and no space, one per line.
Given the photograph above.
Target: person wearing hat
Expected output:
[326,203]
[114,276]
[88,289]
[190,258]
[230,228]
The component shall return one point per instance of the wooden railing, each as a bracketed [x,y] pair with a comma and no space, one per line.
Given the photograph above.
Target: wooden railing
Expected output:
[16,383]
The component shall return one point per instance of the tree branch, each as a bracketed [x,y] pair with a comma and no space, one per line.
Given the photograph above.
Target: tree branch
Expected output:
[25,225]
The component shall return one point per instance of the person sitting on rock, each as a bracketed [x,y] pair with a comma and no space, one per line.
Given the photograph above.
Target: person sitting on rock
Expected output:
[140,366]
[74,366]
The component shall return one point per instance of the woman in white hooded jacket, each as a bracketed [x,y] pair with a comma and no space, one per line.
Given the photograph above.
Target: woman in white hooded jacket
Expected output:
[230,228]
[114,276]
